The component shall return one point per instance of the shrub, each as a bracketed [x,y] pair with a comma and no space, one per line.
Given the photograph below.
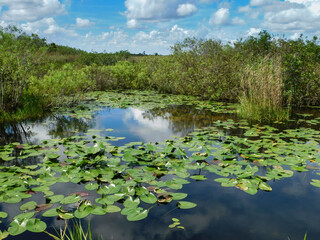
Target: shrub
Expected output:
[56,85]
[18,56]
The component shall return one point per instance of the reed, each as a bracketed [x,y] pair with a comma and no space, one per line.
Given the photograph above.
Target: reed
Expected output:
[262,96]
[74,232]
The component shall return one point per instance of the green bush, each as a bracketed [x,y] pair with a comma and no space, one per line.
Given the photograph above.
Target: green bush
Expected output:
[18,56]
[56,85]
[205,68]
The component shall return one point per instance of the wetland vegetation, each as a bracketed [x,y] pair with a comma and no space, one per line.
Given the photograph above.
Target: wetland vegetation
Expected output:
[106,149]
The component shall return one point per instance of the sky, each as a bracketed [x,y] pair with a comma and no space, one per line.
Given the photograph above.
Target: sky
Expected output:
[155,25]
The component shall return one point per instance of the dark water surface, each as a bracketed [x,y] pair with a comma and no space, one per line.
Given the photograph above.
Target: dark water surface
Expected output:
[289,211]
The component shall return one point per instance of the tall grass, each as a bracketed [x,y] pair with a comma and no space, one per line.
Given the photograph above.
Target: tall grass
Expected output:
[76,232]
[262,97]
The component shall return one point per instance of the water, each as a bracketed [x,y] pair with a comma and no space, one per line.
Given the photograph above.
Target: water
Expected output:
[287,212]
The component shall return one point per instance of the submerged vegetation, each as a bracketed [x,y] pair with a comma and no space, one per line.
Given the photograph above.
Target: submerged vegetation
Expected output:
[267,76]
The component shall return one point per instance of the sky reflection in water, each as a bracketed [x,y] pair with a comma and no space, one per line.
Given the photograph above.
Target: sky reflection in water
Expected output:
[288,212]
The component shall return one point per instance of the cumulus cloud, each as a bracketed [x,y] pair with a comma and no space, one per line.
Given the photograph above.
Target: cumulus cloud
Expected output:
[82,23]
[186,9]
[257,3]
[169,35]
[238,21]
[133,23]
[312,5]
[253,32]
[208,1]
[293,16]
[157,10]
[288,16]
[244,9]
[31,10]
[47,26]
[220,17]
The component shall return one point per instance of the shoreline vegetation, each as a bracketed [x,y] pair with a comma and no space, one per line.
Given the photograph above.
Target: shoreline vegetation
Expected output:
[268,76]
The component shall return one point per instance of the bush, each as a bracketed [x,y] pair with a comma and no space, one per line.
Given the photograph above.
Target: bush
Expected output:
[18,56]
[56,85]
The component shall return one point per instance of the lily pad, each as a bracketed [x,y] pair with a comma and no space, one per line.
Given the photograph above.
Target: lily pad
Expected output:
[186,205]
[36,225]
[28,206]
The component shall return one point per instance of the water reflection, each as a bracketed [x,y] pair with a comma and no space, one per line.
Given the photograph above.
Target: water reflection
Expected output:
[54,126]
[289,211]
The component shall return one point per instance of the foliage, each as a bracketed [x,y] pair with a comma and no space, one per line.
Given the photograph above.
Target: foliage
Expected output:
[204,68]
[125,178]
[18,55]
[262,97]
[56,85]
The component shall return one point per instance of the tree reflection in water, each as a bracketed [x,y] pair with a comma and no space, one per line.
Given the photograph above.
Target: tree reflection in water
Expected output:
[55,126]
[184,119]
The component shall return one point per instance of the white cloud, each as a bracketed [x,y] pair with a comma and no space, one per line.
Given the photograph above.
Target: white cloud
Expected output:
[293,16]
[169,36]
[208,1]
[257,3]
[150,41]
[47,26]
[253,32]
[295,36]
[238,21]
[133,23]
[30,10]
[312,5]
[244,9]
[151,9]
[288,16]
[220,17]
[157,10]
[186,9]
[82,23]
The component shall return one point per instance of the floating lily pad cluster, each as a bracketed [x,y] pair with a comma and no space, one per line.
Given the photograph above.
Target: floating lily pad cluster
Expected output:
[133,178]
[143,100]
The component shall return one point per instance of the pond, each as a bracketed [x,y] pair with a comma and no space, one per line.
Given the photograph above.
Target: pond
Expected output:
[148,166]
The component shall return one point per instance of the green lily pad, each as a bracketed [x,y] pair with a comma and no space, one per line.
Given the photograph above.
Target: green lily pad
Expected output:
[70,199]
[97,210]
[17,227]
[149,198]
[55,198]
[4,234]
[28,206]
[137,214]
[51,213]
[36,225]
[3,214]
[92,186]
[198,177]
[186,205]
[178,196]
[112,209]
[264,186]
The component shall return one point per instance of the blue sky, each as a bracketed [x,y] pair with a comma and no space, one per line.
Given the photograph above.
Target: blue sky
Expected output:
[155,25]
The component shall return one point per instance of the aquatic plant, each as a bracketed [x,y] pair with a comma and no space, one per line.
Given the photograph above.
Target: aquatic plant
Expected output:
[134,178]
[75,232]
[262,98]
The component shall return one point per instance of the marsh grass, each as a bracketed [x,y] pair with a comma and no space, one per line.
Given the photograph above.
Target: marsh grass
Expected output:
[74,232]
[262,87]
